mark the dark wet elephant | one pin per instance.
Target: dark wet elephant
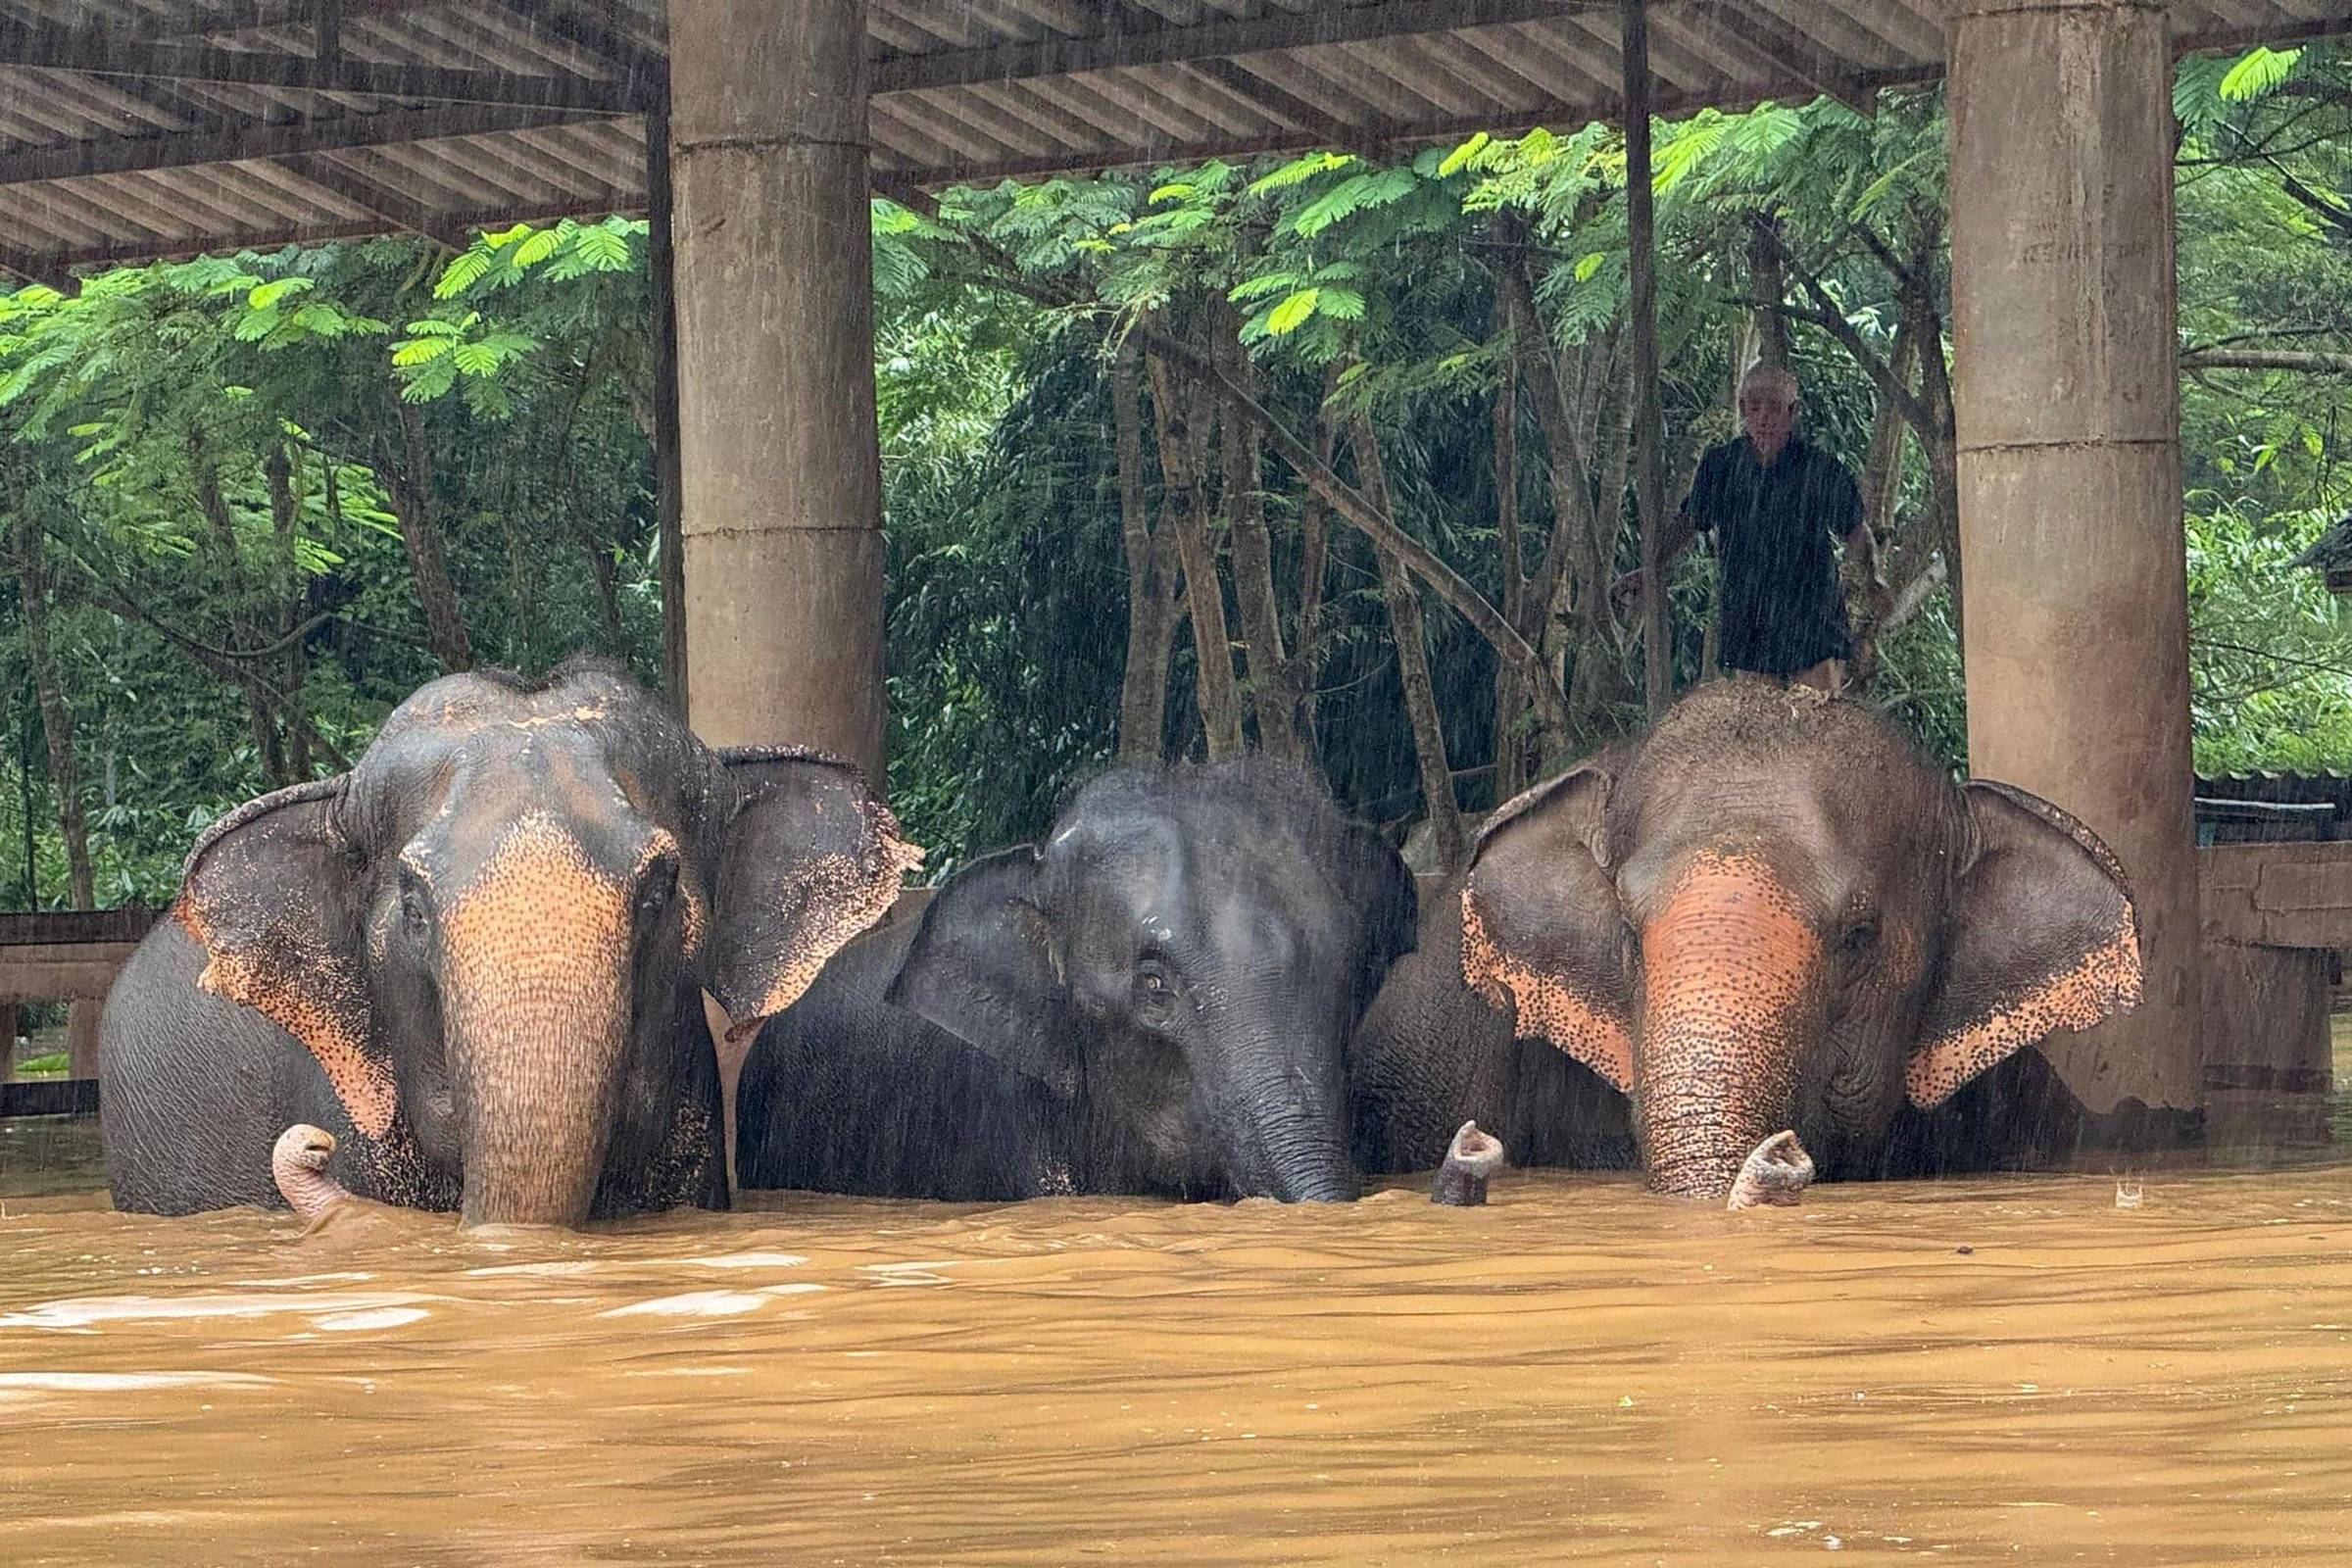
(478, 959)
(1157, 999)
(1769, 913)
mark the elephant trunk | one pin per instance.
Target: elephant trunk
(535, 993)
(1290, 1123)
(1730, 989)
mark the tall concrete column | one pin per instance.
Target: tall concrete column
(782, 486)
(2068, 412)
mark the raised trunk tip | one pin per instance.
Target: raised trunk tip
(298, 1164)
(1775, 1172)
(1470, 1159)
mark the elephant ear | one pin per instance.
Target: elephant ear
(1540, 921)
(808, 858)
(982, 966)
(2041, 938)
(272, 892)
(1376, 879)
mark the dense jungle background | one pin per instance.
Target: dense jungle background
(1325, 455)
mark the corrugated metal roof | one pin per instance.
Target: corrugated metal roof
(134, 128)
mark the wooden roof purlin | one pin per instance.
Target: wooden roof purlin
(131, 129)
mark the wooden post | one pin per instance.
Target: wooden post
(662, 260)
(2067, 411)
(780, 467)
(1657, 656)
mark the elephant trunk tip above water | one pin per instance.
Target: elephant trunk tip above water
(1771, 913)
(480, 957)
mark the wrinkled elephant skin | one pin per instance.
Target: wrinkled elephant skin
(1156, 998)
(478, 959)
(1770, 913)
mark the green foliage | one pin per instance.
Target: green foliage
(216, 455)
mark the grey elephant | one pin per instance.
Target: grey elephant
(478, 959)
(1771, 913)
(1157, 998)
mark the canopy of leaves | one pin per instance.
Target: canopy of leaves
(232, 468)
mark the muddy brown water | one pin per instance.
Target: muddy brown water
(2007, 1370)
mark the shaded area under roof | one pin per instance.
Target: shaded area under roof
(131, 129)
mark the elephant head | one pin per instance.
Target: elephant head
(1772, 912)
(1184, 958)
(494, 931)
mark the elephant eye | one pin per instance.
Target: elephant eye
(412, 912)
(1858, 938)
(1154, 986)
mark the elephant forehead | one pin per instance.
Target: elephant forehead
(538, 892)
(484, 797)
(570, 763)
(1732, 915)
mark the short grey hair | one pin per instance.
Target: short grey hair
(1764, 374)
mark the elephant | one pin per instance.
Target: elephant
(1771, 913)
(1157, 999)
(478, 958)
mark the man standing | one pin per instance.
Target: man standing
(1774, 503)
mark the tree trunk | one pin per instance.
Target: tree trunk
(1152, 592)
(1306, 673)
(669, 485)
(215, 509)
(607, 598)
(1374, 523)
(57, 719)
(1412, 663)
(285, 515)
(1567, 602)
(1510, 692)
(411, 490)
(1658, 643)
(1271, 699)
(1765, 282)
(1180, 474)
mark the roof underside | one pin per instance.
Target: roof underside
(136, 129)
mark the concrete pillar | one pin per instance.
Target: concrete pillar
(782, 484)
(2068, 414)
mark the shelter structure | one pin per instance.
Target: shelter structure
(755, 130)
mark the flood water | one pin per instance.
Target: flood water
(2005, 1369)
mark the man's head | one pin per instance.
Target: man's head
(1768, 408)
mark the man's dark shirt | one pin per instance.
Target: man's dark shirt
(1783, 609)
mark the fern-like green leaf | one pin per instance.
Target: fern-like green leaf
(1339, 304)
(1287, 316)
(1300, 170)
(465, 271)
(2258, 73)
(422, 351)
(538, 248)
(1461, 156)
(264, 295)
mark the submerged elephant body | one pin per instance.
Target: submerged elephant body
(1158, 998)
(1768, 913)
(477, 960)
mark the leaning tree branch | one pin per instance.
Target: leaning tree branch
(2316, 363)
(1450, 585)
(1826, 316)
(218, 663)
